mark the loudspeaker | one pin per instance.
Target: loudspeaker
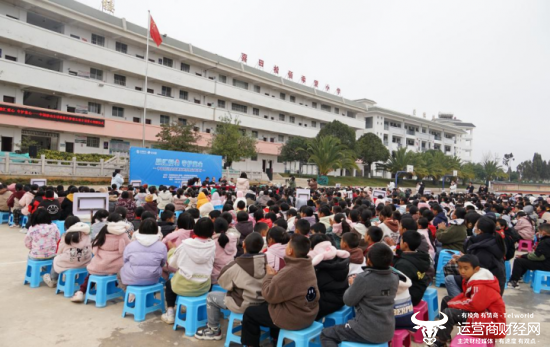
(33, 151)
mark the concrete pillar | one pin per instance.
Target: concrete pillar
(42, 164)
(7, 163)
(101, 163)
(74, 166)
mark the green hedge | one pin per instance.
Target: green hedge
(57, 155)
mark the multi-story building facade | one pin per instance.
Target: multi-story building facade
(72, 79)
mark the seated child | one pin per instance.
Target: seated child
(403, 307)
(413, 264)
(350, 243)
(539, 259)
(276, 238)
(186, 223)
(453, 236)
(108, 249)
(137, 219)
(226, 247)
(242, 279)
(166, 224)
(42, 236)
(74, 250)
(373, 236)
(423, 230)
(291, 219)
(291, 295)
(194, 259)
(261, 228)
(245, 227)
(372, 293)
(332, 268)
(143, 258)
(302, 227)
(480, 294)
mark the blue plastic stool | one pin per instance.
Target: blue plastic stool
(302, 337)
(195, 315)
(528, 276)
(23, 220)
(231, 330)
(541, 280)
(69, 279)
(444, 256)
(430, 296)
(4, 217)
(178, 214)
(508, 268)
(145, 301)
(105, 289)
(10, 220)
(34, 272)
(160, 213)
(217, 288)
(339, 317)
(60, 225)
(357, 344)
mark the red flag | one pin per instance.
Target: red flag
(303, 79)
(261, 63)
(276, 69)
(316, 83)
(155, 34)
(290, 75)
(244, 57)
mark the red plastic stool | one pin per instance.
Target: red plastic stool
(528, 245)
(422, 307)
(401, 338)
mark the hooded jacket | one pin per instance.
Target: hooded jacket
(390, 227)
(373, 296)
(224, 255)
(52, 206)
(490, 255)
(242, 184)
(481, 294)
(15, 197)
(108, 259)
(403, 307)
(66, 207)
(74, 255)
(240, 197)
(201, 200)
(415, 265)
(242, 278)
(292, 294)
(453, 235)
(166, 228)
(356, 261)
(42, 240)
(143, 261)
(331, 268)
(245, 228)
(163, 199)
(151, 206)
(276, 256)
(194, 259)
(440, 218)
(179, 203)
(311, 220)
(524, 228)
(130, 205)
(5, 195)
(25, 201)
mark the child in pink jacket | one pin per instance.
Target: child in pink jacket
(277, 239)
(185, 223)
(108, 248)
(226, 247)
(42, 236)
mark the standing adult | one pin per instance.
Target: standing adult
(117, 179)
(453, 187)
(292, 183)
(313, 184)
(470, 188)
(242, 183)
(421, 188)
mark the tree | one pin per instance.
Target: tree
(341, 131)
(329, 154)
(231, 142)
(26, 142)
(492, 170)
(398, 161)
(178, 137)
(370, 149)
(537, 167)
(292, 151)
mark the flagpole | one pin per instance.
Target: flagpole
(146, 74)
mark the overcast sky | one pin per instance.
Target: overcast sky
(488, 62)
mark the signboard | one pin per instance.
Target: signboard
(337, 185)
(322, 180)
(379, 194)
(84, 203)
(53, 116)
(41, 182)
(410, 168)
(427, 192)
(135, 183)
(350, 194)
(303, 194)
(156, 167)
(455, 173)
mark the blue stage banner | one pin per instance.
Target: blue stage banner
(156, 167)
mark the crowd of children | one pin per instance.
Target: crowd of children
(286, 264)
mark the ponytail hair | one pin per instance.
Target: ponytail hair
(278, 234)
(72, 237)
(99, 216)
(341, 218)
(102, 235)
(220, 227)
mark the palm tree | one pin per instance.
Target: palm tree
(493, 170)
(329, 154)
(398, 161)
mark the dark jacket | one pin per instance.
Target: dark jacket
(490, 254)
(332, 281)
(52, 206)
(66, 207)
(415, 265)
(452, 236)
(245, 228)
(151, 207)
(17, 195)
(440, 218)
(541, 252)
(166, 228)
(130, 206)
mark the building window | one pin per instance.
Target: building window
(118, 111)
(167, 62)
(120, 80)
(75, 37)
(9, 99)
(164, 119)
(222, 78)
(239, 108)
(313, 124)
(282, 96)
(137, 120)
(368, 123)
(98, 40)
(184, 95)
(122, 47)
(185, 67)
(326, 108)
(150, 91)
(292, 119)
(96, 74)
(240, 84)
(281, 138)
(257, 89)
(410, 142)
(282, 117)
(254, 158)
(139, 89)
(92, 142)
(336, 110)
(9, 57)
(322, 125)
(182, 121)
(292, 98)
(254, 134)
(221, 103)
(94, 107)
(256, 111)
(166, 91)
(148, 121)
(314, 104)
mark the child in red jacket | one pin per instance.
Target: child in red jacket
(479, 303)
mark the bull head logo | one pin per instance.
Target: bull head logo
(429, 329)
